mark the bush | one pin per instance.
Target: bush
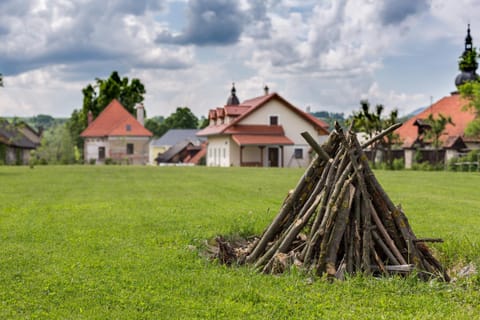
(398, 164)
(427, 166)
(468, 162)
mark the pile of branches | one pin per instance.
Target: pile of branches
(338, 220)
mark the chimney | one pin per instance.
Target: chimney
(140, 113)
(89, 117)
(265, 89)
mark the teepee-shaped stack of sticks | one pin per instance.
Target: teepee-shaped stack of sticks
(339, 220)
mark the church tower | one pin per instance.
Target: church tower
(233, 99)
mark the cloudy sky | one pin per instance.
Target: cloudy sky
(319, 53)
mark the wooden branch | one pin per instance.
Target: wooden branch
(381, 135)
(388, 240)
(366, 237)
(315, 146)
(272, 229)
(384, 247)
(338, 230)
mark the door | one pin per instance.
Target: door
(101, 153)
(273, 157)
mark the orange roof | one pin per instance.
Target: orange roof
(255, 129)
(247, 139)
(452, 106)
(235, 110)
(249, 106)
(115, 120)
(199, 155)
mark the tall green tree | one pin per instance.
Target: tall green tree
(468, 60)
(369, 122)
(182, 118)
(437, 126)
(98, 95)
(57, 146)
(156, 125)
(372, 122)
(471, 91)
(392, 138)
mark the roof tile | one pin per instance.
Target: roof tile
(115, 120)
(452, 106)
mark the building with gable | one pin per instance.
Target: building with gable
(117, 135)
(453, 140)
(17, 141)
(175, 146)
(264, 131)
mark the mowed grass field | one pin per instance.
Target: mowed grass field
(122, 242)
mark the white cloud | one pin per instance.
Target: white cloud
(325, 54)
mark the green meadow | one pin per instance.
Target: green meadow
(125, 242)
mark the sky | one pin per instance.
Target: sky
(317, 54)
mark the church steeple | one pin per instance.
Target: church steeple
(233, 100)
(468, 40)
(467, 62)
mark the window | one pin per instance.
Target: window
(128, 127)
(298, 153)
(129, 148)
(273, 120)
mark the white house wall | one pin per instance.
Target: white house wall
(91, 148)
(293, 125)
(218, 154)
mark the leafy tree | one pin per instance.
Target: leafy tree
(97, 96)
(75, 125)
(1, 80)
(471, 91)
(392, 138)
(43, 120)
(182, 118)
(330, 117)
(369, 122)
(57, 146)
(203, 122)
(156, 125)
(437, 126)
(468, 60)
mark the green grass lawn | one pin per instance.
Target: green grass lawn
(115, 242)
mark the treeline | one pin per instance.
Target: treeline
(330, 117)
(39, 122)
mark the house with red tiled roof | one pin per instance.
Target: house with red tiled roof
(453, 139)
(117, 135)
(264, 131)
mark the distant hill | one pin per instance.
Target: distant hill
(42, 121)
(330, 117)
(415, 112)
